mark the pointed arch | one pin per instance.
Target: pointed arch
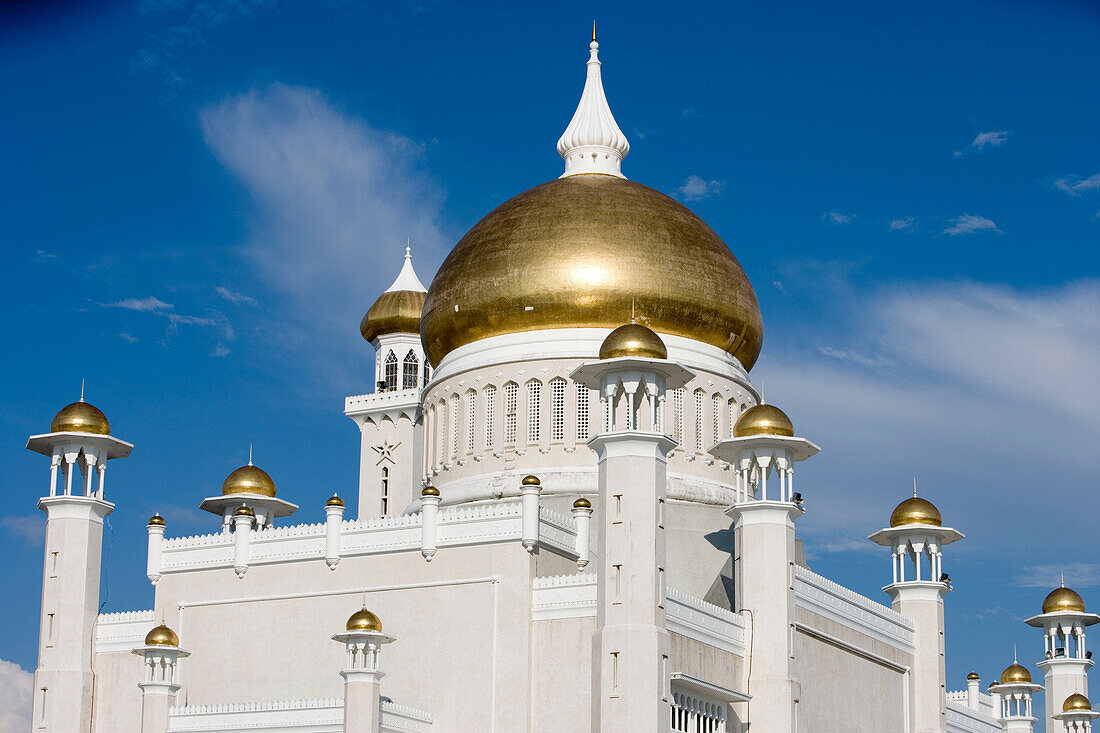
(390, 371)
(410, 370)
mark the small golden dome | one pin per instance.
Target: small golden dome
(1015, 672)
(364, 620)
(1063, 599)
(162, 636)
(1075, 703)
(249, 479)
(582, 503)
(334, 501)
(633, 339)
(915, 510)
(531, 481)
(158, 520)
(575, 253)
(973, 676)
(244, 511)
(763, 420)
(429, 491)
(393, 312)
(80, 417)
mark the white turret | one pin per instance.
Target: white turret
(1014, 689)
(161, 653)
(362, 673)
(1065, 662)
(593, 142)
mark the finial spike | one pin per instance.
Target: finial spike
(82, 389)
(914, 487)
(1014, 660)
(593, 29)
(593, 141)
(250, 454)
(761, 390)
(1063, 574)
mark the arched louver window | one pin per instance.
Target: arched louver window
(409, 374)
(511, 397)
(557, 410)
(582, 412)
(391, 371)
(699, 395)
(678, 415)
(471, 420)
(490, 416)
(534, 421)
(455, 407)
(715, 418)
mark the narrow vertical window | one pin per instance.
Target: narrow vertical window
(715, 418)
(409, 373)
(455, 408)
(385, 490)
(432, 433)
(732, 417)
(471, 420)
(678, 414)
(698, 420)
(534, 421)
(427, 372)
(582, 413)
(511, 397)
(557, 410)
(444, 431)
(490, 416)
(391, 371)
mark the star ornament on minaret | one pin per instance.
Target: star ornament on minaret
(385, 451)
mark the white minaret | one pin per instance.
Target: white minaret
(916, 537)
(160, 653)
(1015, 690)
(390, 418)
(362, 675)
(593, 142)
(1065, 661)
(630, 686)
(763, 447)
(1076, 716)
(79, 445)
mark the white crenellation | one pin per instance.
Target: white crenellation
(833, 601)
(122, 631)
(963, 719)
(318, 716)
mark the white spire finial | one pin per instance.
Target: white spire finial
(81, 390)
(593, 142)
(250, 454)
(914, 487)
(407, 279)
(1063, 574)
(1014, 660)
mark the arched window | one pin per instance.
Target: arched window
(534, 421)
(412, 366)
(431, 434)
(734, 414)
(490, 416)
(455, 407)
(471, 420)
(699, 395)
(511, 397)
(427, 373)
(391, 371)
(678, 414)
(715, 418)
(582, 412)
(557, 409)
(444, 432)
(385, 490)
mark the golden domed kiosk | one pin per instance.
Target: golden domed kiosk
(764, 445)
(1015, 690)
(248, 487)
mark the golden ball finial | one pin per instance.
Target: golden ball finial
(531, 481)
(80, 417)
(1015, 672)
(915, 510)
(582, 503)
(633, 339)
(429, 491)
(763, 420)
(973, 676)
(1075, 703)
(249, 479)
(1063, 599)
(244, 511)
(364, 620)
(157, 520)
(162, 636)
(334, 500)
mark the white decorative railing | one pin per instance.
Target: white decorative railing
(499, 521)
(563, 596)
(122, 631)
(315, 716)
(833, 601)
(963, 719)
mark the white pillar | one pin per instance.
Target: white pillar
(334, 516)
(973, 692)
(429, 519)
(242, 529)
(156, 529)
(530, 488)
(582, 517)
(160, 687)
(922, 602)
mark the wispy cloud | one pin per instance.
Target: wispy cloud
(28, 529)
(992, 139)
(695, 188)
(41, 255)
(1077, 575)
(220, 350)
(1074, 185)
(905, 223)
(152, 304)
(128, 338)
(16, 684)
(355, 193)
(690, 113)
(838, 219)
(158, 307)
(235, 297)
(968, 224)
(853, 356)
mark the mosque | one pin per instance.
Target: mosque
(574, 513)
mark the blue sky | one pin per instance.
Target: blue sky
(200, 200)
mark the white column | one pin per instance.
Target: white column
(530, 489)
(334, 516)
(242, 529)
(582, 517)
(156, 541)
(429, 518)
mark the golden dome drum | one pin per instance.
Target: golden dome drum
(577, 252)
(1076, 703)
(364, 620)
(162, 636)
(1063, 599)
(763, 420)
(633, 339)
(80, 417)
(1015, 673)
(249, 479)
(393, 312)
(915, 510)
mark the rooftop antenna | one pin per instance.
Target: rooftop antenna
(250, 454)
(82, 389)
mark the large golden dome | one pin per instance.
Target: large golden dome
(1063, 599)
(915, 510)
(249, 479)
(1015, 672)
(763, 419)
(577, 252)
(80, 417)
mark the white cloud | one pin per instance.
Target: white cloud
(16, 684)
(968, 224)
(220, 350)
(158, 307)
(695, 188)
(41, 255)
(992, 139)
(1074, 185)
(838, 219)
(128, 338)
(235, 297)
(1076, 574)
(29, 529)
(853, 356)
(335, 201)
(148, 305)
(904, 223)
